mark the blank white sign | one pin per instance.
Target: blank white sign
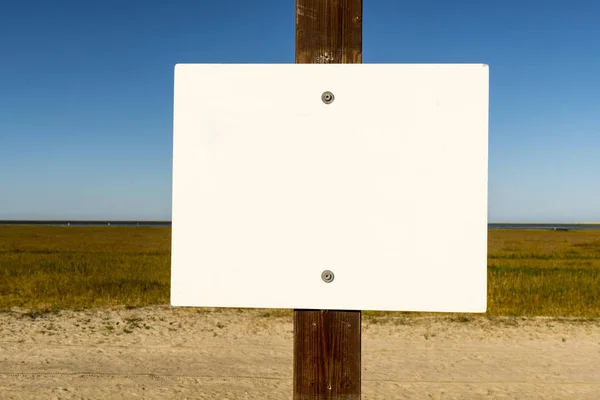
(386, 186)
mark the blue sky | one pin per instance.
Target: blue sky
(86, 94)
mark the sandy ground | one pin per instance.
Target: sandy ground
(165, 353)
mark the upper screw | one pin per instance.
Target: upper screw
(327, 276)
(327, 97)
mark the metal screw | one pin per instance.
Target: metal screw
(327, 276)
(327, 97)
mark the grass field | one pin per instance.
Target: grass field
(530, 272)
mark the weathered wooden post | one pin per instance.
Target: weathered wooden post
(327, 343)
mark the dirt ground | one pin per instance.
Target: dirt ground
(165, 353)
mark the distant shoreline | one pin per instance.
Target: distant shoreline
(86, 222)
(545, 225)
(166, 223)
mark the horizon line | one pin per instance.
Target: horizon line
(170, 220)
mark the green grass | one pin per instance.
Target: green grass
(45, 268)
(554, 273)
(530, 272)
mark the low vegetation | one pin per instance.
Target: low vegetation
(530, 272)
(535, 272)
(47, 267)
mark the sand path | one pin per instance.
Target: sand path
(164, 353)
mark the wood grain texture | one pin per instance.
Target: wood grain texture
(327, 355)
(329, 31)
(327, 343)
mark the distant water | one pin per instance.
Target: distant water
(85, 223)
(558, 227)
(548, 226)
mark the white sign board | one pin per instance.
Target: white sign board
(384, 184)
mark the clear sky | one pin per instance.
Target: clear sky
(86, 94)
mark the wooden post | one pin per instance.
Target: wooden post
(327, 355)
(327, 343)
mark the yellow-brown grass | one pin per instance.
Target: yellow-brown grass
(49, 267)
(542, 272)
(530, 272)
